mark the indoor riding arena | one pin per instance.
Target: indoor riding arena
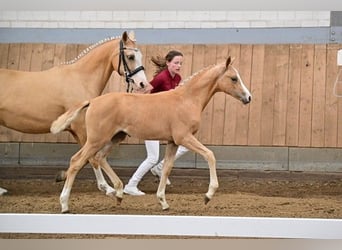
(279, 156)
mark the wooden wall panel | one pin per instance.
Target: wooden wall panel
(305, 112)
(293, 96)
(256, 82)
(291, 84)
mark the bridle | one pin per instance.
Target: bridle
(128, 73)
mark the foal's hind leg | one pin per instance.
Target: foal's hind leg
(102, 184)
(78, 132)
(77, 162)
(169, 159)
(101, 157)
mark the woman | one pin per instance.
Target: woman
(167, 77)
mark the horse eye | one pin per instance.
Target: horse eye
(131, 57)
(234, 79)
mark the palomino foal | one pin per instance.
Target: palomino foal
(109, 118)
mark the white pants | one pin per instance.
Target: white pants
(152, 149)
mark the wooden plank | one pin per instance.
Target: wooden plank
(305, 112)
(219, 102)
(318, 97)
(333, 104)
(292, 118)
(4, 53)
(25, 56)
(59, 57)
(204, 55)
(267, 114)
(230, 124)
(242, 114)
(280, 95)
(37, 57)
(48, 56)
(71, 52)
(13, 56)
(331, 76)
(257, 78)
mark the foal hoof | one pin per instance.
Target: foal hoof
(61, 176)
(118, 200)
(206, 200)
(66, 212)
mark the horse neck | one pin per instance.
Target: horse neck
(202, 87)
(96, 67)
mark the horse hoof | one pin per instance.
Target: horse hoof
(66, 212)
(206, 200)
(165, 207)
(118, 200)
(60, 176)
(111, 194)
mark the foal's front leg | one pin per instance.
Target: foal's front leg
(193, 144)
(170, 153)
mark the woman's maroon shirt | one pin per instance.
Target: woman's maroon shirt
(164, 81)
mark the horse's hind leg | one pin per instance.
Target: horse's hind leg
(78, 132)
(102, 184)
(169, 158)
(118, 185)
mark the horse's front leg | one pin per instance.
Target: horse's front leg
(193, 144)
(170, 153)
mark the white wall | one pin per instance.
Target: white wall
(141, 19)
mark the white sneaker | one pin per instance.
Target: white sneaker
(133, 191)
(157, 172)
(2, 191)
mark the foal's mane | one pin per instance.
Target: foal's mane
(90, 48)
(197, 74)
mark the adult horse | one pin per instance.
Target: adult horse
(109, 119)
(31, 101)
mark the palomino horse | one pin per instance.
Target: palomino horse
(31, 101)
(111, 117)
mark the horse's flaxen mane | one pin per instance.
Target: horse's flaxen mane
(90, 48)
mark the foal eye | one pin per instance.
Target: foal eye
(234, 79)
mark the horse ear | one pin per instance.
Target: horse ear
(131, 36)
(124, 36)
(230, 61)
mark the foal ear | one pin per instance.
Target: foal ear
(229, 61)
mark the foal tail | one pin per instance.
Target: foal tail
(64, 120)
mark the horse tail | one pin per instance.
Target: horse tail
(64, 120)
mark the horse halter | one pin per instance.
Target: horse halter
(127, 71)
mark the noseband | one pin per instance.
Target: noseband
(127, 71)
